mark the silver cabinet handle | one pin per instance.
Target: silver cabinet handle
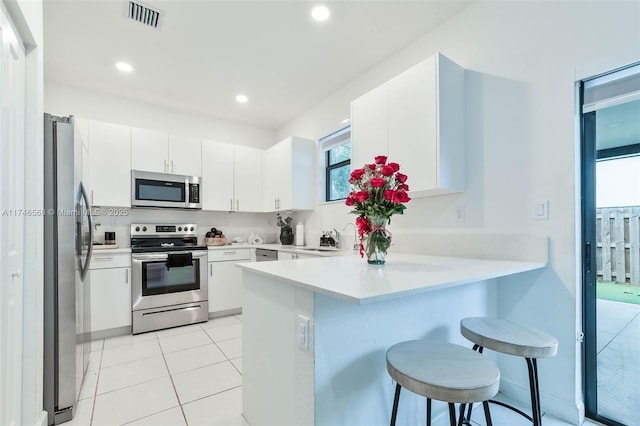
(164, 166)
(92, 196)
(231, 204)
(16, 274)
(102, 259)
(172, 166)
(126, 276)
(210, 270)
(229, 252)
(237, 205)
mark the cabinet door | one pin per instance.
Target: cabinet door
(413, 124)
(110, 298)
(217, 176)
(247, 179)
(185, 155)
(277, 176)
(149, 150)
(225, 286)
(369, 121)
(110, 164)
(300, 184)
(81, 126)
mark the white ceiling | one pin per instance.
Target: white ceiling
(207, 52)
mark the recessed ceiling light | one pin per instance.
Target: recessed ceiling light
(243, 99)
(320, 13)
(124, 67)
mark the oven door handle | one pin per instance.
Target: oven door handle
(164, 255)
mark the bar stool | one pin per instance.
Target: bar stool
(445, 372)
(514, 339)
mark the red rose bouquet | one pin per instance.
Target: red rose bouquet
(378, 191)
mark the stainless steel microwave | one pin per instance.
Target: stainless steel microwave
(165, 190)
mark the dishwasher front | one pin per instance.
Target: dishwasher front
(265, 255)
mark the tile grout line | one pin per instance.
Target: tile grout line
(157, 339)
(174, 386)
(95, 391)
(619, 332)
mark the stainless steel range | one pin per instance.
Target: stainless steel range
(169, 276)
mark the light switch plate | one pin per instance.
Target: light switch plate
(541, 210)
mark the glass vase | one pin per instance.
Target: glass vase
(377, 241)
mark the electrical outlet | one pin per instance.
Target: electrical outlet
(460, 213)
(302, 332)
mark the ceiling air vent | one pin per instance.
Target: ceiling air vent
(143, 14)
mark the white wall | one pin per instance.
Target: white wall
(522, 60)
(60, 99)
(27, 17)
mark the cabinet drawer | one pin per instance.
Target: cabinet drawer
(110, 260)
(222, 255)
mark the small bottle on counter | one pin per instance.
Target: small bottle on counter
(299, 234)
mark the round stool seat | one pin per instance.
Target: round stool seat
(509, 337)
(443, 371)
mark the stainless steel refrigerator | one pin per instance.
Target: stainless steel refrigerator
(68, 237)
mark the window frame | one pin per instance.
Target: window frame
(328, 143)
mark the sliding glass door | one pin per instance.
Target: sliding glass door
(610, 157)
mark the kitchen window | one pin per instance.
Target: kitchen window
(337, 148)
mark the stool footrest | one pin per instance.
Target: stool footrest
(512, 408)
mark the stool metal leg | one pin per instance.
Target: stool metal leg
(532, 366)
(452, 414)
(467, 419)
(461, 418)
(428, 411)
(396, 399)
(487, 413)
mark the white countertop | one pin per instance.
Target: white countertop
(352, 279)
(312, 250)
(106, 250)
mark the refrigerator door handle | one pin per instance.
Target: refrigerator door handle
(85, 268)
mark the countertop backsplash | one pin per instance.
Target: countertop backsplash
(231, 223)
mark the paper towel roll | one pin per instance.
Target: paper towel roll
(300, 234)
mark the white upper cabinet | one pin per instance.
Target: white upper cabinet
(423, 120)
(110, 164)
(288, 170)
(247, 178)
(217, 176)
(369, 122)
(149, 150)
(155, 151)
(184, 155)
(231, 177)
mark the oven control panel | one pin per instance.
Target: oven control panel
(163, 230)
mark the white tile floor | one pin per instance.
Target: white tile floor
(189, 375)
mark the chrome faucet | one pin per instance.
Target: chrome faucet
(355, 234)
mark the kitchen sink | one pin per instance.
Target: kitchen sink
(318, 249)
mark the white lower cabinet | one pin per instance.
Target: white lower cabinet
(287, 255)
(225, 278)
(110, 281)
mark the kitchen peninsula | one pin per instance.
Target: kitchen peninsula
(316, 331)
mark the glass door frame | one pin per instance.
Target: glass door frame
(588, 158)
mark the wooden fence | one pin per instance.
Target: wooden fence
(618, 244)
